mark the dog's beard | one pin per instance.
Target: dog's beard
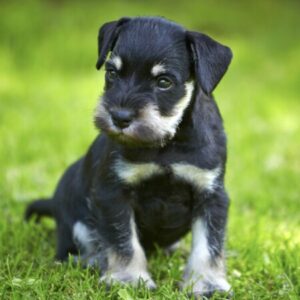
(141, 131)
(150, 128)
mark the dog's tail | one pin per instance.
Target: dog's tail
(40, 208)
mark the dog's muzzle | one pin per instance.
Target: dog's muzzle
(141, 125)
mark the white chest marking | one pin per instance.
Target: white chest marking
(133, 173)
(200, 178)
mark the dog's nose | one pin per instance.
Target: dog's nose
(122, 117)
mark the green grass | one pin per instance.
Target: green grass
(48, 89)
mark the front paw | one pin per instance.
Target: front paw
(124, 277)
(204, 288)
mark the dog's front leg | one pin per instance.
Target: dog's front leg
(205, 270)
(125, 260)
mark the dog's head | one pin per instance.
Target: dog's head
(153, 69)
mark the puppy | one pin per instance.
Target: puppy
(157, 169)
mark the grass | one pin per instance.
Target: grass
(48, 89)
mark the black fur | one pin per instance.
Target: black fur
(164, 205)
(211, 60)
(44, 207)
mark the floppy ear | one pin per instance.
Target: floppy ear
(106, 38)
(211, 60)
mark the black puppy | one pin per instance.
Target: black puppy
(157, 169)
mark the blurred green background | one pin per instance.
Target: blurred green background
(48, 90)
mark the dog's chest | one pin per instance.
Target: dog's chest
(163, 209)
(134, 174)
(163, 196)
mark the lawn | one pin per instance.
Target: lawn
(48, 90)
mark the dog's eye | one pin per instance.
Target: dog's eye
(164, 83)
(111, 74)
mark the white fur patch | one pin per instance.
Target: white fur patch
(201, 273)
(200, 178)
(133, 173)
(161, 127)
(138, 262)
(83, 235)
(158, 69)
(133, 270)
(200, 252)
(117, 61)
(167, 125)
(101, 112)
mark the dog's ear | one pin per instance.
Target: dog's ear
(211, 60)
(106, 38)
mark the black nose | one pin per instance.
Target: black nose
(122, 117)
